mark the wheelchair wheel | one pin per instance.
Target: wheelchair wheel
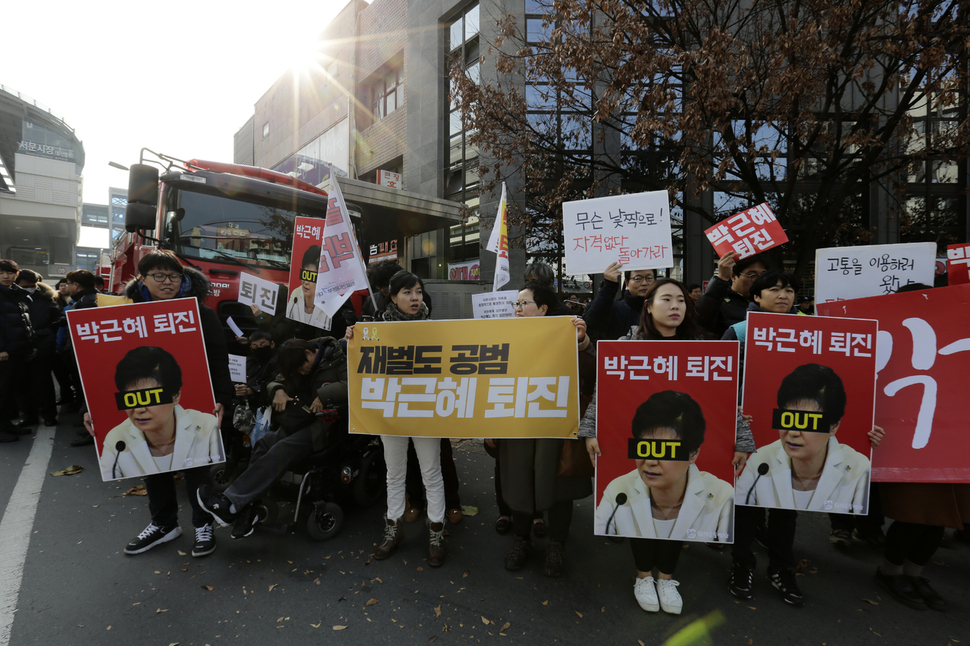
(324, 521)
(371, 482)
(267, 510)
(222, 476)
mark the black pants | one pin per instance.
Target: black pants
(271, 458)
(36, 386)
(780, 536)
(649, 553)
(912, 542)
(415, 487)
(868, 524)
(163, 504)
(560, 518)
(62, 373)
(9, 373)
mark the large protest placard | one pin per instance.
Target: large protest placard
(341, 269)
(254, 290)
(307, 238)
(494, 305)
(512, 378)
(747, 233)
(809, 384)
(844, 273)
(922, 383)
(958, 263)
(146, 385)
(666, 414)
(633, 230)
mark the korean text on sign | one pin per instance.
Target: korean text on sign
(958, 264)
(747, 233)
(117, 329)
(782, 339)
(845, 273)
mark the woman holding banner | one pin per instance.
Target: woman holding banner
(545, 474)
(668, 313)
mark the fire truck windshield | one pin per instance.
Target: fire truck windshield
(211, 227)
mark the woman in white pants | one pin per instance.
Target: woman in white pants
(406, 303)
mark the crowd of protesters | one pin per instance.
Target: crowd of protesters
(535, 480)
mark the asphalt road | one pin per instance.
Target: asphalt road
(78, 587)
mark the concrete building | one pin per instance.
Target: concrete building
(41, 159)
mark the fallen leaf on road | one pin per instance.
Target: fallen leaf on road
(578, 613)
(137, 490)
(161, 610)
(316, 625)
(371, 602)
(272, 586)
(545, 603)
(208, 587)
(465, 574)
(420, 569)
(485, 621)
(433, 639)
(71, 470)
(339, 627)
(505, 627)
(437, 612)
(468, 510)
(869, 601)
(640, 641)
(181, 553)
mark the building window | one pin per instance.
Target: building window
(265, 130)
(388, 92)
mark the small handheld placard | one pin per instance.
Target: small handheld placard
(639, 449)
(801, 420)
(143, 398)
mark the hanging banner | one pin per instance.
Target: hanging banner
(501, 379)
(253, 290)
(809, 384)
(666, 413)
(633, 230)
(844, 273)
(922, 383)
(146, 385)
(747, 233)
(498, 243)
(341, 268)
(957, 264)
(304, 261)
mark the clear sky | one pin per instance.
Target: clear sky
(179, 78)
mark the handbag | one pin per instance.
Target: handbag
(243, 419)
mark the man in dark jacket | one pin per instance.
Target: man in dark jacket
(314, 369)
(610, 319)
(725, 302)
(16, 345)
(37, 385)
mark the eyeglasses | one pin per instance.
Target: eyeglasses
(752, 275)
(521, 304)
(640, 279)
(166, 278)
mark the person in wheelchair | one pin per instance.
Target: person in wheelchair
(313, 379)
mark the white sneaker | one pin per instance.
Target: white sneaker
(670, 599)
(646, 594)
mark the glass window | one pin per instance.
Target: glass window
(455, 33)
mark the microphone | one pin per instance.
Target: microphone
(762, 470)
(620, 500)
(119, 447)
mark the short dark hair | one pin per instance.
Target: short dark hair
(540, 272)
(148, 362)
(58, 284)
(693, 286)
(676, 411)
(82, 277)
(311, 257)
(9, 265)
(379, 274)
(28, 276)
(744, 263)
(403, 280)
(626, 274)
(260, 335)
(163, 259)
(292, 356)
(816, 383)
(98, 280)
(542, 294)
(770, 279)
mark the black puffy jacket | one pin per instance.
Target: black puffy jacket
(16, 333)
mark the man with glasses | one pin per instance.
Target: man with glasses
(725, 302)
(608, 318)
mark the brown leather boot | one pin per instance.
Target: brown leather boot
(436, 544)
(393, 535)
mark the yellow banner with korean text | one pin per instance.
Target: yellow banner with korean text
(505, 378)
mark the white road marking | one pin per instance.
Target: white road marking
(17, 524)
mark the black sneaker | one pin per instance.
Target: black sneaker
(784, 582)
(901, 588)
(521, 548)
(205, 541)
(932, 598)
(841, 539)
(150, 537)
(217, 505)
(246, 521)
(741, 583)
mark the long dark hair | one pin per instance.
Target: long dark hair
(688, 330)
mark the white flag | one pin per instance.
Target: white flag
(341, 268)
(498, 243)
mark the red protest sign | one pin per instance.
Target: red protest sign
(958, 263)
(809, 384)
(748, 232)
(922, 382)
(304, 261)
(684, 384)
(160, 416)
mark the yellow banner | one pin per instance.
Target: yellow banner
(509, 378)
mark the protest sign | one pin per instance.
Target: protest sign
(508, 378)
(844, 273)
(633, 230)
(307, 238)
(809, 384)
(922, 383)
(146, 384)
(748, 232)
(675, 401)
(957, 264)
(254, 290)
(494, 305)
(341, 269)
(237, 368)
